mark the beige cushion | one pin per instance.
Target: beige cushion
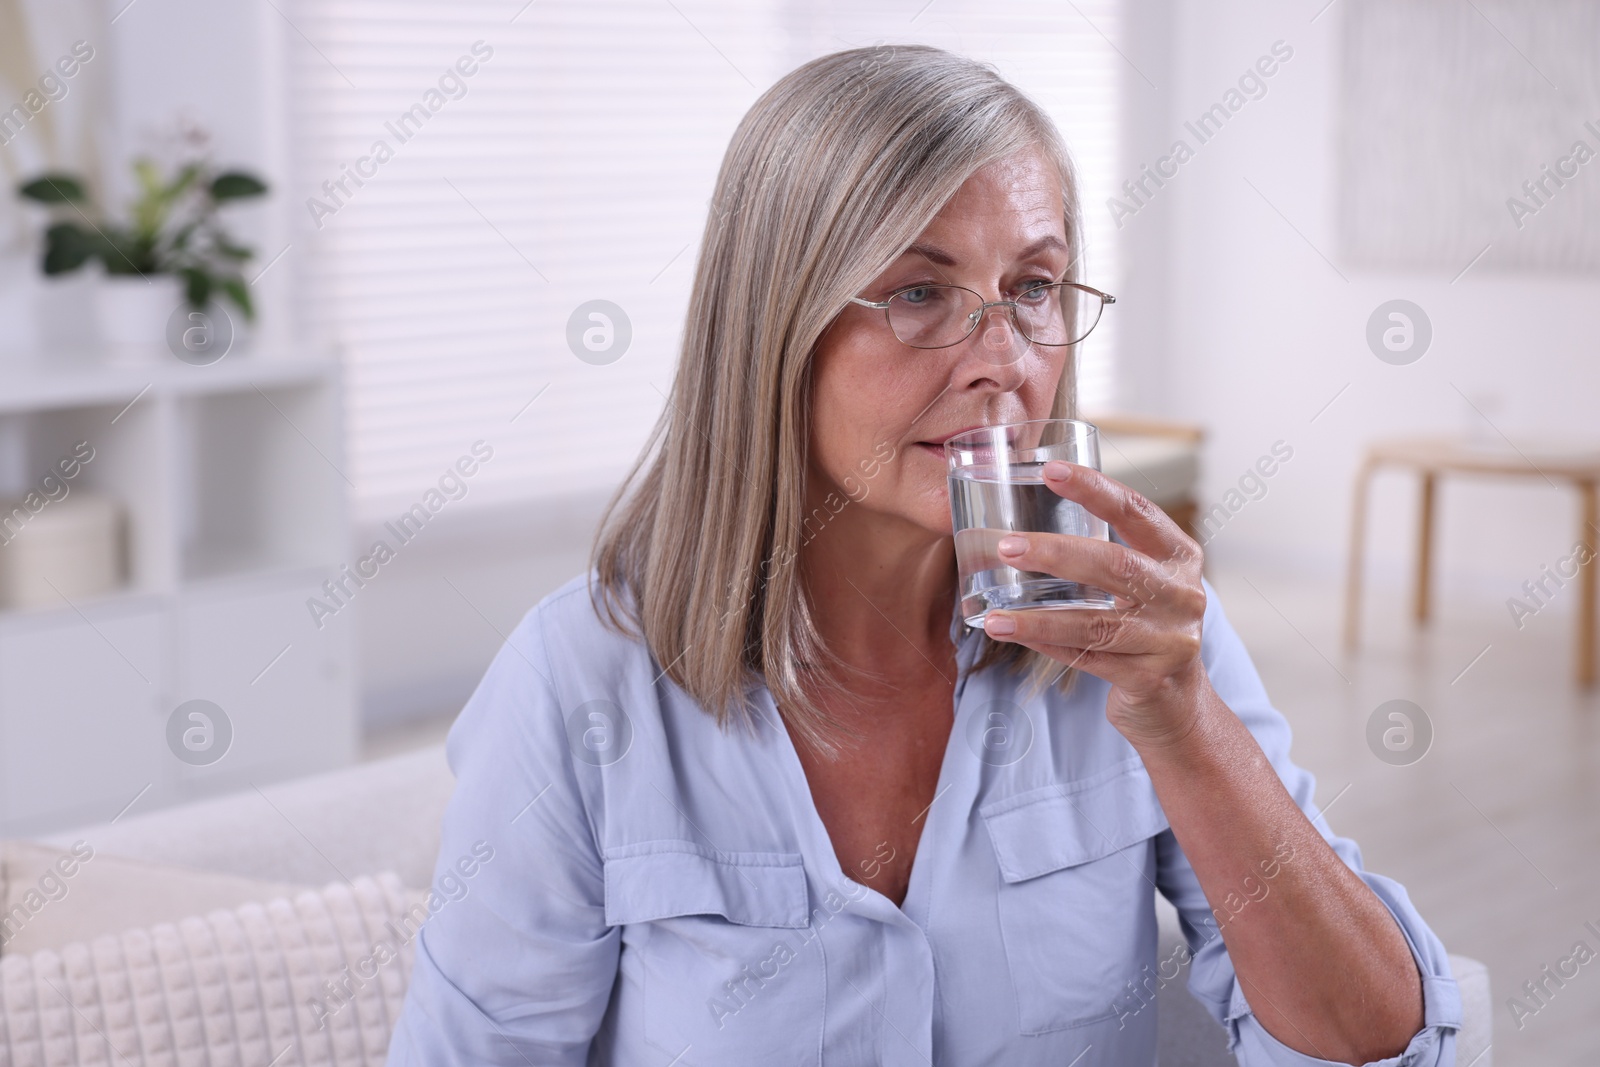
(317, 979)
(1164, 469)
(53, 896)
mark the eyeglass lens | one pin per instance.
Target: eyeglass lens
(935, 316)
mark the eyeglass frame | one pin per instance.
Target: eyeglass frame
(977, 316)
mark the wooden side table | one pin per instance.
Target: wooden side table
(1434, 457)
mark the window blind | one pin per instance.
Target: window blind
(467, 175)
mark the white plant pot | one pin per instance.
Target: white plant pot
(17, 282)
(45, 320)
(134, 312)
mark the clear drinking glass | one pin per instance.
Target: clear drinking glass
(997, 487)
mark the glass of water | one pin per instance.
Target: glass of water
(997, 487)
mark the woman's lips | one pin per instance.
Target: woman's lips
(938, 449)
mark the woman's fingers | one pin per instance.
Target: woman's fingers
(1138, 521)
(1118, 569)
(1098, 629)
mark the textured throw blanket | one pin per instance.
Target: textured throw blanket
(314, 980)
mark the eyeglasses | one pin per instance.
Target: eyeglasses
(938, 315)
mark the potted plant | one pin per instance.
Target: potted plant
(171, 241)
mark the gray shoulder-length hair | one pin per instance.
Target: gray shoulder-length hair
(833, 172)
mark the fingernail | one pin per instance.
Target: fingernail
(1012, 545)
(1059, 469)
(999, 625)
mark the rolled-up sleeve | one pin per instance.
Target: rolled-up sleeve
(1212, 979)
(516, 964)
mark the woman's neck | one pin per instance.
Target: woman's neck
(882, 591)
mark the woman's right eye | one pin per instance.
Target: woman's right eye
(918, 295)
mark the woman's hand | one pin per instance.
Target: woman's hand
(1148, 645)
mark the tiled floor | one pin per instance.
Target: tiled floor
(1493, 832)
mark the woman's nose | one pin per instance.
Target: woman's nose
(997, 334)
(998, 338)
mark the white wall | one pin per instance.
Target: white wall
(221, 65)
(1244, 327)
(433, 618)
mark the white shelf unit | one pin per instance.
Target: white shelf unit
(231, 480)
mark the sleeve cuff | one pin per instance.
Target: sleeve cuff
(1432, 1046)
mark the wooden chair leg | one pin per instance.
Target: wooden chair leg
(1424, 551)
(1588, 534)
(1356, 564)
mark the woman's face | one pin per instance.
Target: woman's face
(881, 409)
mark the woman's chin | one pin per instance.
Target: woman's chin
(936, 518)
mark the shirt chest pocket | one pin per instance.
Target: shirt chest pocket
(725, 953)
(1077, 895)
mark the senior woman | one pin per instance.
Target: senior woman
(753, 791)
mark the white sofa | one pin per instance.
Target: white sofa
(163, 945)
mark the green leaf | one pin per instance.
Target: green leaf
(54, 189)
(196, 287)
(180, 240)
(236, 288)
(236, 185)
(182, 182)
(66, 248)
(149, 177)
(157, 197)
(232, 251)
(125, 252)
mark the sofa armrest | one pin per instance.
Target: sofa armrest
(1477, 1012)
(383, 815)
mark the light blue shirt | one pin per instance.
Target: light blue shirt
(661, 892)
